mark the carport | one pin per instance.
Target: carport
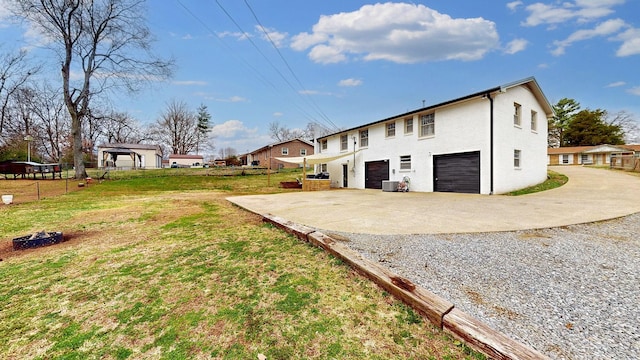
(315, 159)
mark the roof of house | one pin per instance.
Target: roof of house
(130, 146)
(182, 156)
(529, 82)
(282, 142)
(604, 148)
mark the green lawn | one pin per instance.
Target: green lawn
(161, 266)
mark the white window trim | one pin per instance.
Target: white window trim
(405, 126)
(284, 151)
(405, 163)
(517, 115)
(517, 155)
(534, 121)
(303, 152)
(428, 136)
(360, 137)
(346, 143)
(386, 129)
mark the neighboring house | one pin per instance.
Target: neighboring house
(492, 141)
(588, 155)
(177, 160)
(129, 156)
(289, 148)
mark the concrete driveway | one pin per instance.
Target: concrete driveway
(589, 195)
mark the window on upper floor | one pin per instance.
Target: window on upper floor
(534, 121)
(323, 144)
(390, 129)
(427, 125)
(517, 110)
(303, 152)
(284, 151)
(408, 126)
(344, 143)
(364, 138)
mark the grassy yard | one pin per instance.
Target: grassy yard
(553, 181)
(161, 266)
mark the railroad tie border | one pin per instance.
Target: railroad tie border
(438, 311)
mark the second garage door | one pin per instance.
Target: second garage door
(375, 172)
(458, 172)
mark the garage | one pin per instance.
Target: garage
(458, 172)
(375, 172)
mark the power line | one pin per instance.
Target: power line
(257, 72)
(266, 33)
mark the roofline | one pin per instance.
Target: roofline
(535, 87)
(281, 142)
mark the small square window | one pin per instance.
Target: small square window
(391, 129)
(516, 158)
(405, 162)
(285, 151)
(303, 152)
(408, 126)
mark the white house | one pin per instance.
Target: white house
(490, 142)
(180, 160)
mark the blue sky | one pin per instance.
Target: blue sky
(345, 63)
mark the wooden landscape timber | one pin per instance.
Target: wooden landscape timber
(438, 311)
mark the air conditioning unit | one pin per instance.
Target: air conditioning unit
(389, 185)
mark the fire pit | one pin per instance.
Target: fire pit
(37, 240)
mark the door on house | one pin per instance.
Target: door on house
(345, 175)
(458, 172)
(375, 172)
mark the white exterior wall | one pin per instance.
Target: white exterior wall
(459, 127)
(508, 137)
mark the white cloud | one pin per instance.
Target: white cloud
(277, 114)
(515, 46)
(514, 5)
(230, 129)
(231, 99)
(560, 12)
(350, 82)
(238, 35)
(276, 37)
(397, 32)
(187, 37)
(616, 84)
(630, 42)
(604, 29)
(634, 91)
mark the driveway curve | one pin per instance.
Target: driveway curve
(590, 195)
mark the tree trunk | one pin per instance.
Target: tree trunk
(78, 154)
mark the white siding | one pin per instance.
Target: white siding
(460, 127)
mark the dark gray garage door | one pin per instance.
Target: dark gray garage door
(374, 173)
(457, 172)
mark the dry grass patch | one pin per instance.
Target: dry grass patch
(184, 274)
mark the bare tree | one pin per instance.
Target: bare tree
(120, 127)
(627, 123)
(48, 117)
(15, 71)
(107, 39)
(177, 127)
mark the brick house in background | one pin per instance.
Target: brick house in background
(287, 148)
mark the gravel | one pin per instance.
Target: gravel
(571, 292)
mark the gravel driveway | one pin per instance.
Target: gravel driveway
(571, 292)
